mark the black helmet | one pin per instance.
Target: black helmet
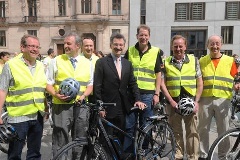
(186, 106)
(7, 133)
(69, 87)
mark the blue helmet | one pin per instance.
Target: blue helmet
(69, 87)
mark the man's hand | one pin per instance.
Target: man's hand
(62, 97)
(140, 105)
(155, 99)
(196, 107)
(102, 114)
(1, 121)
(236, 86)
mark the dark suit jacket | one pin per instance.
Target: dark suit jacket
(110, 89)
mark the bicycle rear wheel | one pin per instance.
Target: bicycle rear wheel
(226, 146)
(160, 144)
(68, 152)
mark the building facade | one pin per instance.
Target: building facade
(194, 19)
(51, 20)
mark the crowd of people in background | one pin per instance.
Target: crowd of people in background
(134, 78)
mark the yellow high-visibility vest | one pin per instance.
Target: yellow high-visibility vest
(66, 70)
(144, 67)
(185, 77)
(26, 96)
(217, 82)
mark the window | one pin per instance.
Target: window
(86, 6)
(190, 11)
(232, 10)
(115, 31)
(32, 32)
(99, 7)
(116, 7)
(227, 52)
(61, 7)
(227, 34)
(32, 8)
(2, 9)
(2, 38)
(143, 12)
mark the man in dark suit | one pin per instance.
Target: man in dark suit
(112, 84)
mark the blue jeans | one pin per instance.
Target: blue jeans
(33, 131)
(132, 118)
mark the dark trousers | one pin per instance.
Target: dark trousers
(32, 130)
(118, 121)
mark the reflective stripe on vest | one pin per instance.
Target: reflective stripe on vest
(144, 67)
(66, 70)
(26, 96)
(185, 77)
(217, 82)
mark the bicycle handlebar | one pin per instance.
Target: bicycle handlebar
(136, 108)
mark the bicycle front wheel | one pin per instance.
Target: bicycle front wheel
(226, 146)
(4, 146)
(159, 142)
(79, 150)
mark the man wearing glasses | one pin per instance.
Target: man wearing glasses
(22, 85)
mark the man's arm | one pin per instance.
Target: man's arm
(5, 79)
(166, 93)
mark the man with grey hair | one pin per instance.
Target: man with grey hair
(218, 71)
(68, 116)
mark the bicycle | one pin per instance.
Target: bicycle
(226, 146)
(4, 116)
(158, 133)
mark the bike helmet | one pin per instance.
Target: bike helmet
(237, 61)
(7, 133)
(69, 87)
(186, 106)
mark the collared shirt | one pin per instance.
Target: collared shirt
(178, 64)
(52, 72)
(115, 60)
(7, 80)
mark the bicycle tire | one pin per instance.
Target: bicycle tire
(66, 151)
(231, 147)
(162, 145)
(4, 146)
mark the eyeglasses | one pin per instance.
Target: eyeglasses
(118, 44)
(33, 46)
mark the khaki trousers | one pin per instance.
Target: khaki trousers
(192, 137)
(210, 107)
